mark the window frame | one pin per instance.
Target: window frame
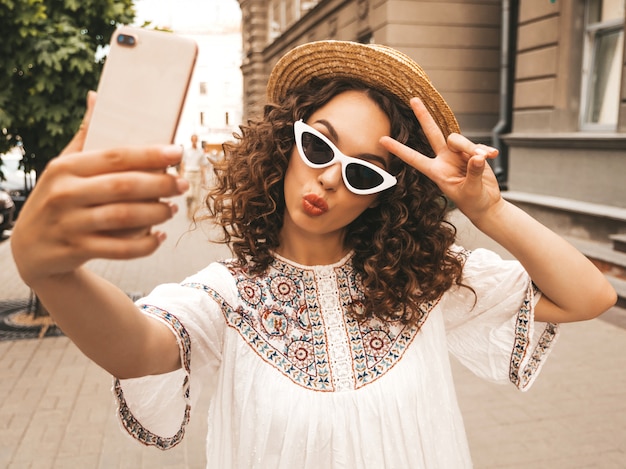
(592, 32)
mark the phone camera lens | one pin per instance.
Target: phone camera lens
(126, 40)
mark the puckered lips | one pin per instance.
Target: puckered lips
(314, 205)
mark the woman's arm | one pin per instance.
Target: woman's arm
(573, 288)
(100, 204)
(107, 326)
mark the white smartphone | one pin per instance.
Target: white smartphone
(142, 89)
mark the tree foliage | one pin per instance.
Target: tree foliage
(48, 62)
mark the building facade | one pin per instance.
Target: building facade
(542, 80)
(212, 108)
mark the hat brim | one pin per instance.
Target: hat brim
(375, 65)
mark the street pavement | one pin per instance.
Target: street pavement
(57, 411)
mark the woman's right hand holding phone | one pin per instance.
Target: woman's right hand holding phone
(98, 204)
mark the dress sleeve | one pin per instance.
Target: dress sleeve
(491, 327)
(156, 409)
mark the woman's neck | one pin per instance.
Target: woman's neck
(312, 250)
(312, 255)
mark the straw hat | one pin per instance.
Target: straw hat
(373, 64)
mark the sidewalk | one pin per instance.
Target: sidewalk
(56, 409)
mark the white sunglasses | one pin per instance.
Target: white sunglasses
(360, 177)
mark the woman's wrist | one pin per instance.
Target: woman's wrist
(490, 221)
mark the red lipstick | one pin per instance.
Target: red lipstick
(314, 205)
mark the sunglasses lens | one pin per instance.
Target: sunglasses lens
(315, 149)
(361, 177)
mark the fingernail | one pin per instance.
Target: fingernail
(160, 236)
(182, 185)
(91, 98)
(172, 152)
(173, 208)
(478, 161)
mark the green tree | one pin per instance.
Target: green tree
(50, 56)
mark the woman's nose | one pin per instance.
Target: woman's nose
(330, 177)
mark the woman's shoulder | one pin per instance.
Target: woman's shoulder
(218, 276)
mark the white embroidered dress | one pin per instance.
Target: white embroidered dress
(296, 383)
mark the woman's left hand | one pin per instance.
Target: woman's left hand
(460, 167)
(573, 289)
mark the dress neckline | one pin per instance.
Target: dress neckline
(344, 260)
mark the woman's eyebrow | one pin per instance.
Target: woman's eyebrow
(330, 128)
(365, 156)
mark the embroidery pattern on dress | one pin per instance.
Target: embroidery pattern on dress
(332, 306)
(296, 320)
(520, 373)
(128, 420)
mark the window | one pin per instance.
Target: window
(284, 13)
(276, 21)
(203, 87)
(604, 46)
